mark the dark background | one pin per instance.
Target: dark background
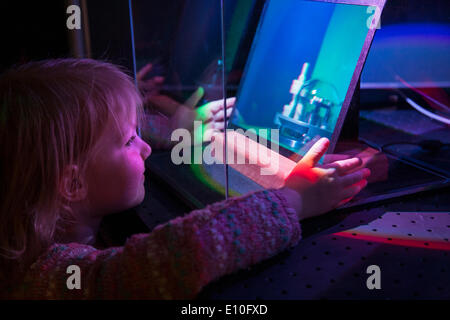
(36, 30)
(33, 30)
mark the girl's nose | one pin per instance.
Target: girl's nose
(146, 150)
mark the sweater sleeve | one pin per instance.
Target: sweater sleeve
(177, 259)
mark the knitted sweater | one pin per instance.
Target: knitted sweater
(176, 260)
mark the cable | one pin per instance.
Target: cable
(427, 113)
(423, 94)
(424, 111)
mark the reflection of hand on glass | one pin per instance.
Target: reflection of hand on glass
(150, 86)
(158, 129)
(150, 90)
(211, 115)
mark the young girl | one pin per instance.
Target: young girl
(70, 155)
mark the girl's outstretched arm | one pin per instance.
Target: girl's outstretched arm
(177, 259)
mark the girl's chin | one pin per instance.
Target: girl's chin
(141, 194)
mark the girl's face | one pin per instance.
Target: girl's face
(115, 177)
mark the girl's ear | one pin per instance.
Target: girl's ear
(72, 187)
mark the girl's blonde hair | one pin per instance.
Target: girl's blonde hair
(51, 114)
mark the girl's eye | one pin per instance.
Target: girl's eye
(130, 141)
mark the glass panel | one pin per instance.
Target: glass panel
(181, 39)
(178, 51)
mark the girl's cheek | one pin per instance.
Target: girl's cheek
(135, 161)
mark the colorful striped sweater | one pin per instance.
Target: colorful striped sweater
(176, 260)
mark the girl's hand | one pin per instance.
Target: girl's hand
(313, 191)
(151, 87)
(182, 115)
(211, 115)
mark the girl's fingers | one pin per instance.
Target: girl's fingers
(209, 132)
(144, 70)
(217, 105)
(221, 114)
(355, 177)
(343, 202)
(213, 127)
(219, 125)
(214, 111)
(192, 101)
(330, 158)
(315, 153)
(152, 84)
(157, 80)
(343, 166)
(353, 190)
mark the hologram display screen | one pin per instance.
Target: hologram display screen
(299, 69)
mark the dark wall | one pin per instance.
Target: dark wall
(32, 30)
(411, 11)
(36, 30)
(109, 26)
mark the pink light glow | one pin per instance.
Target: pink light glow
(398, 241)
